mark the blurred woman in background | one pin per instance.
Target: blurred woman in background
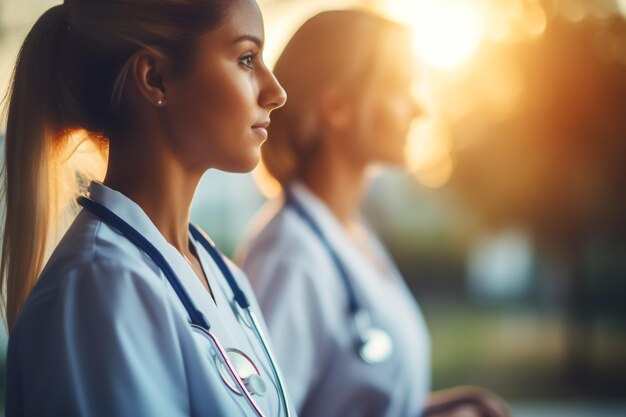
(133, 313)
(350, 337)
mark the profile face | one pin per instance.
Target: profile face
(218, 112)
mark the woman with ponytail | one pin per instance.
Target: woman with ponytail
(122, 307)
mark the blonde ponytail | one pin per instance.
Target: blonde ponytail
(35, 184)
(65, 103)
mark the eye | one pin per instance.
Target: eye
(248, 60)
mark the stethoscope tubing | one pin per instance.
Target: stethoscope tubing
(358, 313)
(218, 258)
(222, 352)
(354, 305)
(244, 304)
(141, 242)
(198, 320)
(277, 375)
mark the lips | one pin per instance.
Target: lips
(261, 129)
(263, 125)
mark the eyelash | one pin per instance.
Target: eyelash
(247, 60)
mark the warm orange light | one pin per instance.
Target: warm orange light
(269, 187)
(437, 175)
(447, 33)
(621, 4)
(534, 20)
(428, 154)
(573, 10)
(283, 18)
(83, 154)
(515, 20)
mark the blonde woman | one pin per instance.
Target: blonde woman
(132, 314)
(350, 337)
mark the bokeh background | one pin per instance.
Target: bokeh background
(510, 222)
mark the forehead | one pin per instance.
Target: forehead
(243, 18)
(396, 59)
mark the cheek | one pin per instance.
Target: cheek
(192, 106)
(211, 116)
(388, 129)
(212, 106)
(392, 118)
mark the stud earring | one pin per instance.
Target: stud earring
(159, 102)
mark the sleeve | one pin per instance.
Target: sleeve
(301, 321)
(106, 345)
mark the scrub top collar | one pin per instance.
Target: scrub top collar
(354, 260)
(321, 214)
(127, 210)
(134, 215)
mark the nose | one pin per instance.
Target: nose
(273, 95)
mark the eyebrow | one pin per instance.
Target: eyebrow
(250, 38)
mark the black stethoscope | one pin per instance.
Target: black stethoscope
(372, 344)
(246, 376)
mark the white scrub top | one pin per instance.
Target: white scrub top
(305, 305)
(104, 334)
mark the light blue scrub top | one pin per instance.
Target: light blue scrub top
(306, 309)
(104, 334)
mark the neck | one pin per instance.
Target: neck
(339, 182)
(158, 183)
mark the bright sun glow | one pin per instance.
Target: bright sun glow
(447, 33)
(428, 154)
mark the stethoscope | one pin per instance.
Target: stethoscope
(246, 375)
(372, 344)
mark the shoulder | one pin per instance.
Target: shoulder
(281, 240)
(92, 248)
(283, 254)
(102, 328)
(112, 289)
(93, 268)
(89, 240)
(289, 268)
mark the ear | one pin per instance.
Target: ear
(149, 70)
(335, 109)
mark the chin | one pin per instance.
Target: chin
(250, 165)
(244, 165)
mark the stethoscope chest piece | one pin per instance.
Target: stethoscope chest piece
(235, 368)
(373, 345)
(245, 369)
